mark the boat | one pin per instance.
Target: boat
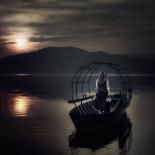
(85, 116)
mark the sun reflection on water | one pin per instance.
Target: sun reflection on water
(21, 105)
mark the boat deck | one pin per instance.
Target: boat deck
(88, 108)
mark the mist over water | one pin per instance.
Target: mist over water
(34, 119)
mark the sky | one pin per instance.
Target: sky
(114, 26)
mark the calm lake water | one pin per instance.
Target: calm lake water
(34, 119)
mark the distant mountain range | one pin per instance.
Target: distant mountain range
(67, 60)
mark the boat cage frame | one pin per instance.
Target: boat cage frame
(88, 70)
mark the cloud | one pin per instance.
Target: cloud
(117, 26)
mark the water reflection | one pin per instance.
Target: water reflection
(95, 140)
(21, 105)
(47, 125)
(14, 104)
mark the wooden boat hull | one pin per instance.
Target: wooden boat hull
(122, 130)
(95, 121)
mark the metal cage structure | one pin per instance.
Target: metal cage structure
(81, 83)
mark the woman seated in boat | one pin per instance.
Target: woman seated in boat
(102, 93)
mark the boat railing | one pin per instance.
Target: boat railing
(81, 99)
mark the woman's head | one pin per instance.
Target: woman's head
(102, 77)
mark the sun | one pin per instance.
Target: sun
(21, 42)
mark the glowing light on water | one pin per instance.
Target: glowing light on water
(21, 105)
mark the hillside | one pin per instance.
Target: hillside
(67, 60)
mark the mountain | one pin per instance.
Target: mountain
(4, 51)
(67, 60)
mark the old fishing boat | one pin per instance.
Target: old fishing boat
(85, 115)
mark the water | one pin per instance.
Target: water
(34, 120)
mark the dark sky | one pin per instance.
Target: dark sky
(115, 26)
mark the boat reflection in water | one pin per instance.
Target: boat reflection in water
(100, 138)
(21, 105)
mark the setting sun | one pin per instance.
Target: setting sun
(21, 42)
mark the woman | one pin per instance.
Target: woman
(102, 93)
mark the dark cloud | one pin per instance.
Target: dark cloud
(115, 26)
